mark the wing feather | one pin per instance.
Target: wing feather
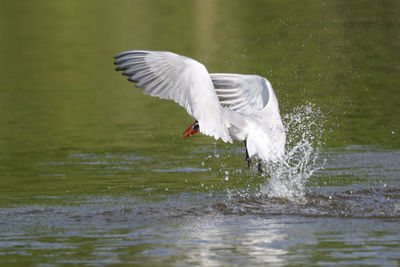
(170, 76)
(244, 93)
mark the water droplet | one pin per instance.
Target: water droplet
(289, 176)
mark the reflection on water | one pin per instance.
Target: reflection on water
(345, 228)
(224, 239)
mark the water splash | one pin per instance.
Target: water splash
(288, 177)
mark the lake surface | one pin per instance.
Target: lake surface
(92, 172)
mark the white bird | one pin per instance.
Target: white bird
(225, 106)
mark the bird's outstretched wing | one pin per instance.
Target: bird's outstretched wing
(186, 81)
(242, 93)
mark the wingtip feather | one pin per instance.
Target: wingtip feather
(131, 79)
(127, 52)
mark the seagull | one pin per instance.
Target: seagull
(225, 106)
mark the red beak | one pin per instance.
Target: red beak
(191, 130)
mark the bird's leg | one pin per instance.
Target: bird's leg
(248, 160)
(191, 130)
(260, 170)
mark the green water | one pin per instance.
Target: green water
(93, 172)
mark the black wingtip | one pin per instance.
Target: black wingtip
(132, 80)
(127, 52)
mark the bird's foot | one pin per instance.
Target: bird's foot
(249, 162)
(191, 130)
(259, 168)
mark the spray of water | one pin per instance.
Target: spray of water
(288, 177)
